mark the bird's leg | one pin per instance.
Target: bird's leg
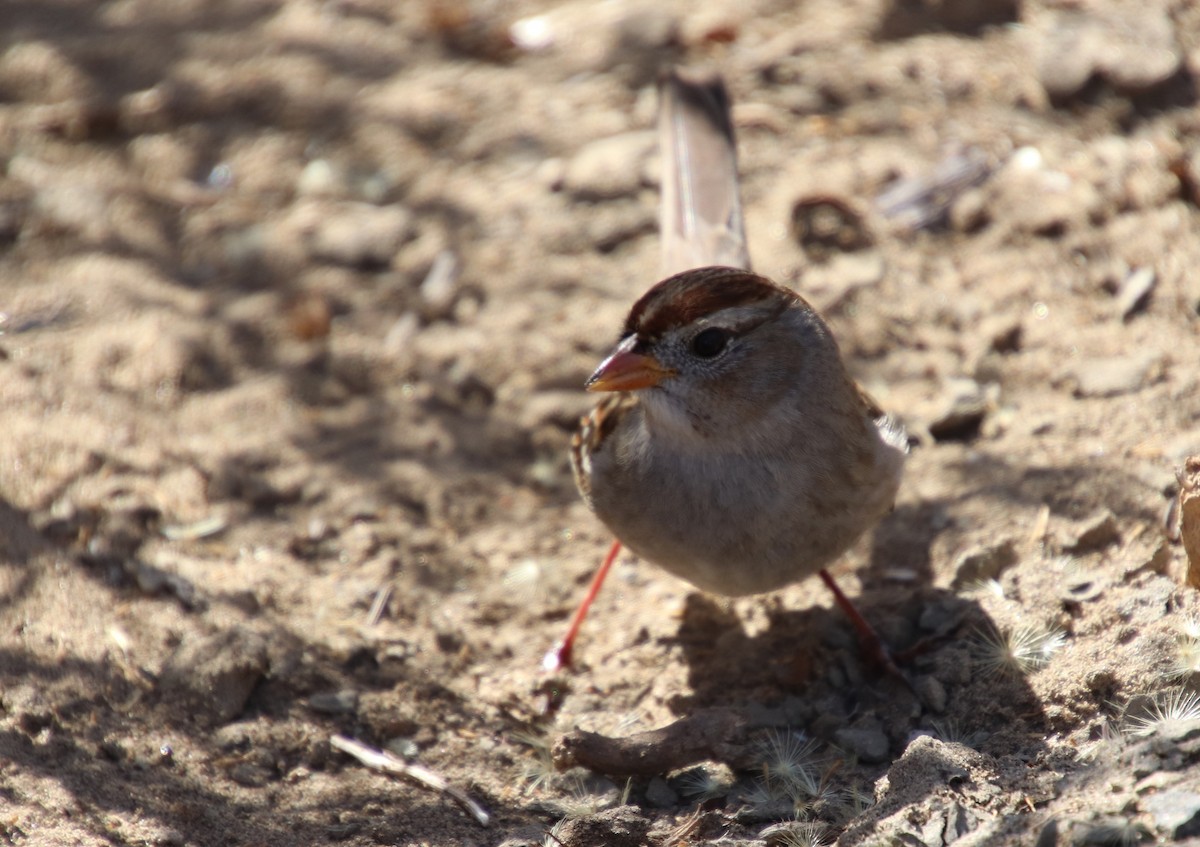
(560, 656)
(869, 640)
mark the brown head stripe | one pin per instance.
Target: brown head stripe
(686, 297)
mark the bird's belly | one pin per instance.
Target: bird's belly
(734, 541)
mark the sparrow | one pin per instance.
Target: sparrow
(734, 450)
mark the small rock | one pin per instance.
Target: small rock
(624, 826)
(1189, 175)
(214, 675)
(1048, 837)
(168, 836)
(960, 410)
(440, 286)
(825, 225)
(1134, 49)
(1109, 832)
(39, 71)
(151, 580)
(867, 742)
(1109, 377)
(932, 693)
(905, 19)
(1158, 562)
(609, 167)
(840, 275)
(612, 225)
(28, 706)
(1004, 333)
(986, 561)
(1177, 813)
(526, 836)
(358, 235)
(1029, 195)
(940, 616)
(233, 737)
(249, 775)
(661, 795)
(1135, 291)
(322, 178)
(344, 702)
(1095, 533)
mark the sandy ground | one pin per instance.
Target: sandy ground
(297, 302)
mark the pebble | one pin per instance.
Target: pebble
(1095, 533)
(1134, 49)
(322, 178)
(214, 675)
(609, 167)
(943, 614)
(1135, 291)
(167, 836)
(1028, 195)
(1177, 813)
(867, 742)
(440, 287)
(824, 225)
(151, 580)
(623, 826)
(1003, 332)
(959, 411)
(343, 702)
(832, 282)
(1114, 375)
(249, 775)
(661, 795)
(41, 71)
(1189, 176)
(357, 235)
(986, 561)
(610, 226)
(932, 693)
(525, 836)
(28, 706)
(905, 20)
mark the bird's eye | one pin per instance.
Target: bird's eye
(710, 342)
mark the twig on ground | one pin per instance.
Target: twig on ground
(379, 605)
(384, 761)
(717, 734)
(1189, 517)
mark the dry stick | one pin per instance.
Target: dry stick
(379, 604)
(383, 761)
(720, 734)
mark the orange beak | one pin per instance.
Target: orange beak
(625, 370)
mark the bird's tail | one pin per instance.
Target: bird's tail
(701, 213)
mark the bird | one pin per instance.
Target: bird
(733, 449)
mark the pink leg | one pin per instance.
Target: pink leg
(560, 656)
(870, 642)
